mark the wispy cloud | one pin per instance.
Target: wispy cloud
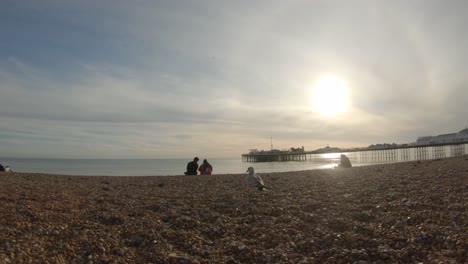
(119, 79)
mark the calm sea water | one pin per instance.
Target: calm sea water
(168, 167)
(149, 167)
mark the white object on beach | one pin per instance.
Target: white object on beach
(254, 180)
(7, 169)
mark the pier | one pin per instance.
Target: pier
(364, 155)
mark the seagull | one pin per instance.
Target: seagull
(254, 180)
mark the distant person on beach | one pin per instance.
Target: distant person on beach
(192, 167)
(5, 169)
(254, 180)
(205, 168)
(344, 162)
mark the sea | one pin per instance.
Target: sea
(235, 165)
(151, 167)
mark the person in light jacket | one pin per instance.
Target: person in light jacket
(205, 168)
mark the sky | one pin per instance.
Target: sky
(208, 78)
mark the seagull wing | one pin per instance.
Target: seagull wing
(259, 180)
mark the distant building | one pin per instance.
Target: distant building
(276, 151)
(297, 149)
(327, 149)
(383, 146)
(459, 137)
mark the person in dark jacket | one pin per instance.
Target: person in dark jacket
(192, 167)
(344, 162)
(5, 168)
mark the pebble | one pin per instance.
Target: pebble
(370, 217)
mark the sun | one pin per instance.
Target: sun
(330, 95)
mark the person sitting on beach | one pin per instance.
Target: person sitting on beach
(5, 169)
(254, 180)
(205, 168)
(192, 167)
(344, 162)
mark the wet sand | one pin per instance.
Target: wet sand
(396, 213)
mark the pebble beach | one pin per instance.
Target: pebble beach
(412, 212)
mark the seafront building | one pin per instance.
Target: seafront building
(459, 137)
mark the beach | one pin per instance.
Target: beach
(412, 212)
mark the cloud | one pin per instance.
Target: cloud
(149, 79)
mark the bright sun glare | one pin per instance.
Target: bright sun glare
(330, 95)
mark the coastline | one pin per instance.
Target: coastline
(402, 212)
(146, 167)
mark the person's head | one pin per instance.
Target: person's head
(205, 161)
(195, 159)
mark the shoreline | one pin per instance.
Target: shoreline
(401, 212)
(138, 167)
